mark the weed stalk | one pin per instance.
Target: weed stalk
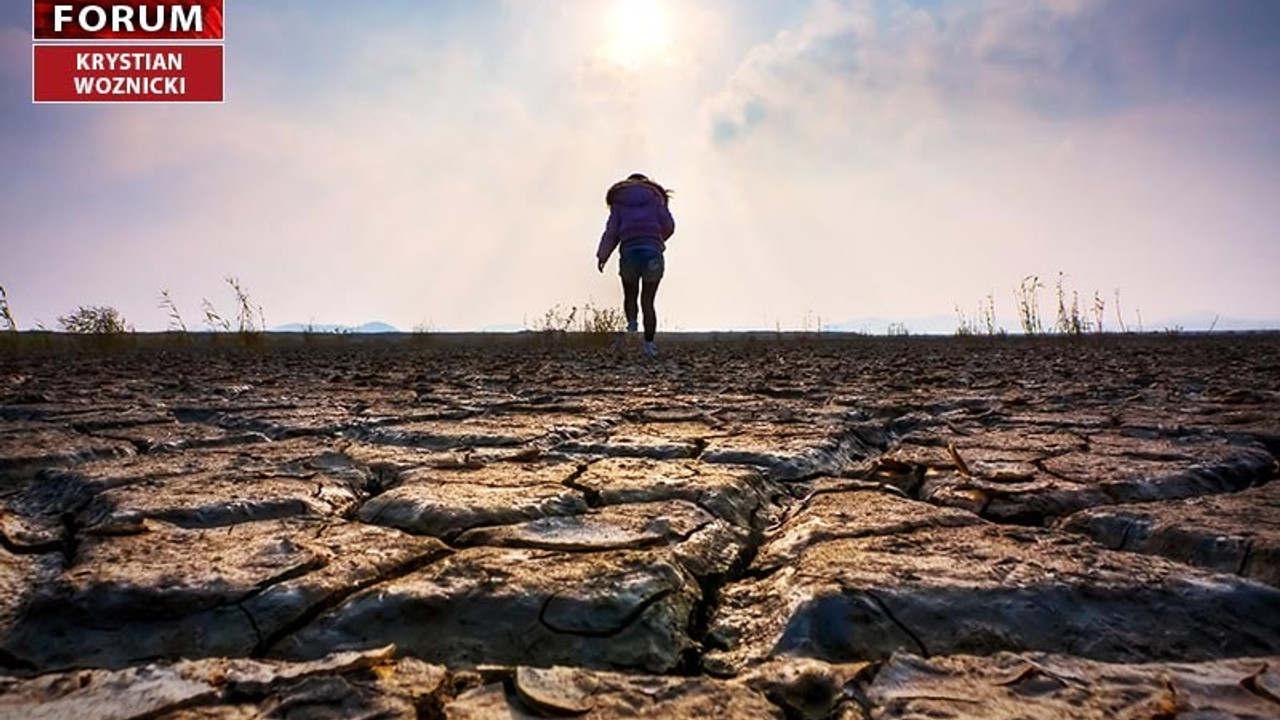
(175, 318)
(6, 314)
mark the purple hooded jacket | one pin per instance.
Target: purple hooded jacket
(637, 210)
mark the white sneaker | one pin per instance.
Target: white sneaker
(650, 349)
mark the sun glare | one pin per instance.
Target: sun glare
(639, 33)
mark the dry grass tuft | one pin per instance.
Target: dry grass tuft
(94, 320)
(175, 318)
(6, 316)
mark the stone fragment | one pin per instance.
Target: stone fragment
(808, 689)
(173, 437)
(172, 592)
(734, 494)
(1236, 533)
(704, 545)
(21, 577)
(610, 696)
(126, 694)
(272, 421)
(470, 470)
(109, 419)
(514, 606)
(487, 431)
(1010, 485)
(1138, 470)
(789, 453)
(670, 440)
(622, 527)
(1012, 687)
(844, 515)
(446, 503)
(553, 691)
(981, 589)
(339, 686)
(394, 460)
(220, 500)
(38, 514)
(291, 457)
(45, 446)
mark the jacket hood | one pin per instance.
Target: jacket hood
(635, 193)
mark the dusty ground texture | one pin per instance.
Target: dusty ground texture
(812, 528)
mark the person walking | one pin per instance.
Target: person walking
(640, 222)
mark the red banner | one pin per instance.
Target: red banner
(128, 73)
(128, 20)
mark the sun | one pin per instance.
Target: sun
(639, 33)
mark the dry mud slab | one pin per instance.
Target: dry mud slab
(824, 527)
(1232, 533)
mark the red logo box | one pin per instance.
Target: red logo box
(128, 20)
(127, 73)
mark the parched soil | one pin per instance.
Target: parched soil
(750, 527)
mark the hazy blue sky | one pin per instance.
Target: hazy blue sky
(444, 162)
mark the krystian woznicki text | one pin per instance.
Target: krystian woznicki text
(116, 62)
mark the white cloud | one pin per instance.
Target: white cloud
(911, 158)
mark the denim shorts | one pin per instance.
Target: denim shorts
(639, 262)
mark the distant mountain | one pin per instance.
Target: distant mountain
(369, 328)
(375, 328)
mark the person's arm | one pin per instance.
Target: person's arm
(608, 240)
(667, 222)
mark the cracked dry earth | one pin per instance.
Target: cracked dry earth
(844, 528)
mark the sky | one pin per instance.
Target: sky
(442, 163)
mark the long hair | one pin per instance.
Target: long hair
(637, 179)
